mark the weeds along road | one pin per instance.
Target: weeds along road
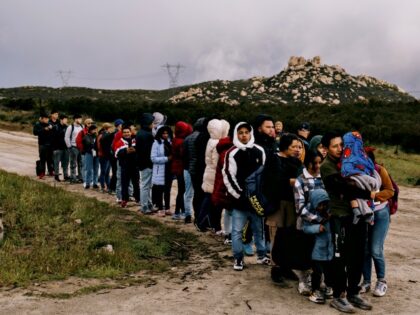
(213, 291)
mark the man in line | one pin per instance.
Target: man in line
(44, 131)
(74, 153)
(60, 152)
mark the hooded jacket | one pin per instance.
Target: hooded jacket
(240, 162)
(220, 196)
(190, 151)
(44, 136)
(144, 142)
(182, 130)
(323, 248)
(159, 156)
(125, 159)
(217, 129)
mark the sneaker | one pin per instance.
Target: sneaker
(123, 204)
(182, 216)
(168, 212)
(358, 301)
(57, 179)
(248, 249)
(264, 260)
(188, 219)
(87, 187)
(317, 297)
(95, 186)
(305, 289)
(161, 213)
(41, 176)
(228, 239)
(342, 305)
(380, 288)
(176, 217)
(147, 212)
(220, 233)
(365, 287)
(238, 265)
(328, 292)
(118, 201)
(80, 181)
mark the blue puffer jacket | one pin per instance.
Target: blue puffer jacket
(159, 163)
(323, 248)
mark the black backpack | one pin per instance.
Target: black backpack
(254, 194)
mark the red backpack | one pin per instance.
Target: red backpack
(393, 201)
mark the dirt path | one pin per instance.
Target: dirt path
(220, 291)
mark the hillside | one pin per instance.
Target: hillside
(302, 81)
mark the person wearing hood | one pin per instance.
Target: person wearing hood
(244, 158)
(265, 133)
(316, 145)
(182, 130)
(158, 120)
(217, 129)
(161, 156)
(144, 142)
(323, 249)
(194, 162)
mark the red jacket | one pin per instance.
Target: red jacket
(79, 139)
(220, 196)
(182, 130)
(115, 142)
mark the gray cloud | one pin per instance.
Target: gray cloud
(122, 44)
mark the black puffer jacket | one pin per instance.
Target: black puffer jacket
(58, 143)
(45, 137)
(191, 151)
(144, 142)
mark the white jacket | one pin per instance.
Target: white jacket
(217, 129)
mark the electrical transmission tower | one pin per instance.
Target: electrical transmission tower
(173, 72)
(64, 76)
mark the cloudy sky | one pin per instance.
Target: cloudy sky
(123, 44)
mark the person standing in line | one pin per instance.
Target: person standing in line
(91, 157)
(44, 130)
(54, 122)
(144, 142)
(60, 152)
(113, 160)
(74, 153)
(244, 158)
(79, 144)
(182, 130)
(104, 152)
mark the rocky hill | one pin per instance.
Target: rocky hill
(302, 81)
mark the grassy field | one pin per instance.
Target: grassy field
(403, 167)
(44, 240)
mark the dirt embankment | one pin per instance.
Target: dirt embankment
(198, 290)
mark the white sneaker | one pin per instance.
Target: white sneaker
(238, 265)
(264, 260)
(365, 287)
(304, 288)
(380, 289)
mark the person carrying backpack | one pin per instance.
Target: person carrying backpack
(377, 232)
(244, 158)
(74, 153)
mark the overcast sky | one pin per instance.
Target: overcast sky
(123, 44)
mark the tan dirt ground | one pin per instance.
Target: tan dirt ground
(201, 289)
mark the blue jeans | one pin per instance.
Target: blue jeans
(227, 221)
(75, 163)
(105, 169)
(188, 194)
(375, 245)
(91, 166)
(61, 156)
(146, 189)
(239, 219)
(83, 162)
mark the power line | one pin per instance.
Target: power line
(173, 72)
(65, 76)
(121, 78)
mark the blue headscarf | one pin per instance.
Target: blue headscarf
(354, 160)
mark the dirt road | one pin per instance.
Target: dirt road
(220, 291)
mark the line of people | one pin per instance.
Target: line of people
(330, 196)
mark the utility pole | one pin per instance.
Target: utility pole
(173, 72)
(65, 76)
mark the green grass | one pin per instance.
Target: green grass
(43, 242)
(403, 167)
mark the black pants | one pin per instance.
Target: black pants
(113, 181)
(162, 193)
(349, 247)
(197, 181)
(130, 174)
(179, 205)
(318, 269)
(46, 157)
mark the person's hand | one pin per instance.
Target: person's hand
(131, 150)
(321, 228)
(372, 194)
(169, 157)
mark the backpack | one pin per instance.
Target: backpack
(393, 202)
(254, 194)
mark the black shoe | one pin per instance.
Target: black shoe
(80, 181)
(87, 187)
(187, 219)
(358, 301)
(276, 275)
(57, 179)
(95, 187)
(67, 179)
